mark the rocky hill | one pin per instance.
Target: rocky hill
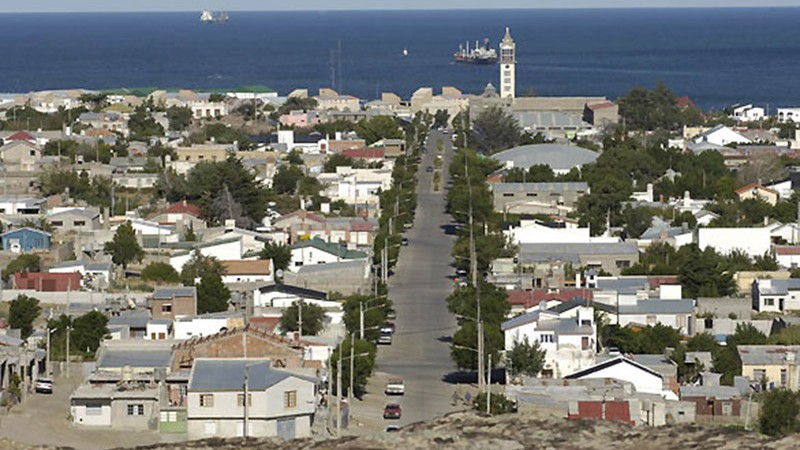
(469, 431)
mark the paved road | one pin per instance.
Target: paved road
(420, 353)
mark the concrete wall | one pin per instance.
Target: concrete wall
(65, 298)
(79, 416)
(121, 420)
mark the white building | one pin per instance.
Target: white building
(315, 251)
(566, 332)
(788, 256)
(204, 109)
(776, 295)
(752, 241)
(788, 114)
(223, 249)
(644, 379)
(531, 232)
(279, 403)
(207, 324)
(508, 63)
(721, 135)
(248, 271)
(748, 113)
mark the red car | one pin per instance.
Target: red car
(392, 411)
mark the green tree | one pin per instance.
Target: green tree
(88, 331)
(281, 255)
(207, 179)
(363, 364)
(143, 126)
(160, 272)
(336, 160)
(313, 318)
(377, 128)
(161, 152)
(27, 262)
(22, 311)
(199, 265)
(787, 336)
(702, 273)
(726, 361)
(212, 294)
(441, 117)
(295, 157)
(778, 413)
(655, 109)
(500, 404)
(179, 118)
(287, 179)
(124, 248)
(526, 358)
(494, 130)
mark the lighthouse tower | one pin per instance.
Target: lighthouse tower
(508, 62)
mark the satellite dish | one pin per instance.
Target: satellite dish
(279, 273)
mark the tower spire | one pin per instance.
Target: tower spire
(508, 62)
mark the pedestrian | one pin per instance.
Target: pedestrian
(456, 397)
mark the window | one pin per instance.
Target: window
(207, 400)
(290, 399)
(166, 307)
(94, 409)
(508, 194)
(759, 374)
(680, 321)
(623, 264)
(79, 223)
(546, 338)
(769, 302)
(531, 194)
(240, 400)
(727, 409)
(33, 153)
(135, 410)
(784, 378)
(651, 320)
(57, 223)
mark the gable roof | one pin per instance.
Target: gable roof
(610, 363)
(754, 186)
(30, 230)
(180, 208)
(229, 374)
(21, 136)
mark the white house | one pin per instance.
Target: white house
(278, 403)
(223, 249)
(776, 295)
(721, 135)
(281, 295)
(361, 185)
(672, 313)
(644, 380)
(206, 324)
(566, 332)
(787, 256)
(148, 228)
(159, 329)
(316, 251)
(748, 113)
(788, 115)
(531, 232)
(752, 241)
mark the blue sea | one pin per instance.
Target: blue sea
(716, 56)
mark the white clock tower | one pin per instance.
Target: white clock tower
(508, 62)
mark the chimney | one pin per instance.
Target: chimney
(685, 226)
(687, 199)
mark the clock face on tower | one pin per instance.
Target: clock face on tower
(508, 67)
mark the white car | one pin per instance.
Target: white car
(44, 386)
(395, 386)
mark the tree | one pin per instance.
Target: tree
(124, 248)
(179, 118)
(313, 318)
(225, 208)
(377, 128)
(161, 152)
(87, 332)
(295, 157)
(702, 274)
(160, 272)
(363, 364)
(286, 179)
(526, 358)
(726, 361)
(281, 255)
(199, 265)
(143, 126)
(23, 263)
(494, 130)
(778, 413)
(644, 109)
(336, 160)
(500, 404)
(212, 294)
(207, 179)
(440, 118)
(22, 311)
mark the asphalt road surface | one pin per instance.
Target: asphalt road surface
(420, 351)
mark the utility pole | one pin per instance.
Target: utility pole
(300, 319)
(339, 394)
(489, 389)
(244, 401)
(330, 389)
(473, 262)
(361, 320)
(352, 366)
(69, 328)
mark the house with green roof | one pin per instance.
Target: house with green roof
(314, 251)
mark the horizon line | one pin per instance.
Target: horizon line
(378, 9)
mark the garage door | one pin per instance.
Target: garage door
(286, 429)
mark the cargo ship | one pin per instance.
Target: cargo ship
(480, 54)
(213, 17)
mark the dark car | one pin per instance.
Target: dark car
(429, 169)
(404, 241)
(392, 411)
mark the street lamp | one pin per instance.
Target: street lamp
(246, 400)
(362, 310)
(48, 369)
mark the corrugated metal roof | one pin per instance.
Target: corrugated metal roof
(172, 292)
(142, 358)
(558, 157)
(228, 374)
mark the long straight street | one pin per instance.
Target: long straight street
(420, 352)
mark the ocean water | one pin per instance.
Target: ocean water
(716, 56)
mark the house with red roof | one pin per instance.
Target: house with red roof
(365, 154)
(21, 156)
(21, 135)
(182, 215)
(759, 192)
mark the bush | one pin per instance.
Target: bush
(160, 272)
(779, 410)
(500, 404)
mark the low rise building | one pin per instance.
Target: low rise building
(173, 303)
(537, 198)
(316, 251)
(773, 366)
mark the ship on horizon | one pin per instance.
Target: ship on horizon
(480, 54)
(214, 17)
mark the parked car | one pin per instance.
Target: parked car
(385, 338)
(387, 327)
(392, 428)
(391, 314)
(392, 411)
(404, 242)
(395, 386)
(44, 386)
(461, 272)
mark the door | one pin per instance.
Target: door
(286, 429)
